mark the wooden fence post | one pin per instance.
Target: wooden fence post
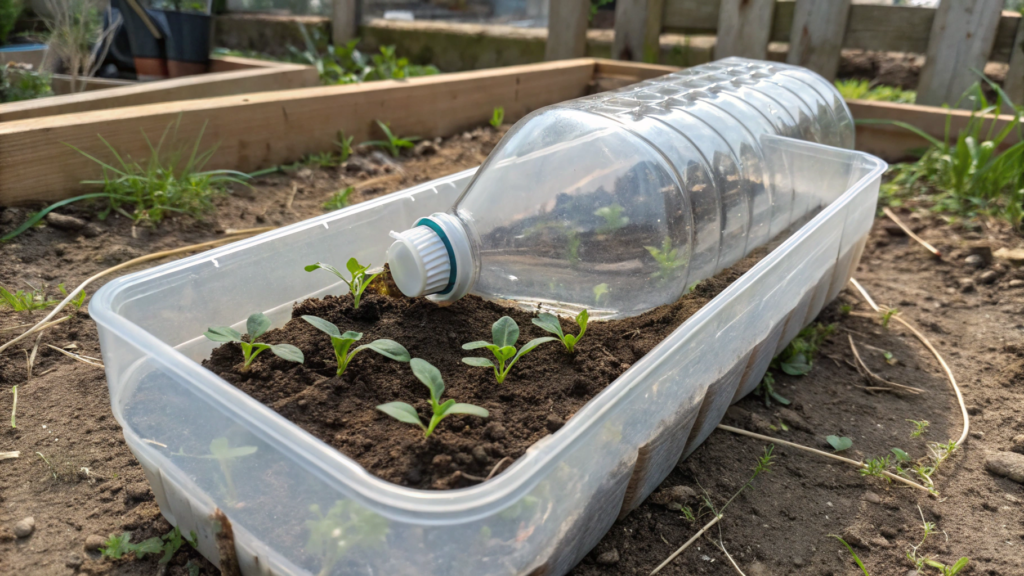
(1014, 84)
(345, 16)
(744, 27)
(567, 29)
(963, 33)
(637, 28)
(816, 38)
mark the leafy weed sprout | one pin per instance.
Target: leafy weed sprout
(550, 323)
(920, 561)
(920, 427)
(343, 342)
(431, 378)
(887, 316)
(393, 144)
(796, 359)
(76, 302)
(344, 146)
(839, 443)
(167, 182)
(497, 117)
(854, 554)
(339, 199)
(875, 467)
(668, 258)
(613, 218)
(256, 325)
(22, 301)
(17, 83)
(853, 89)
(358, 281)
(345, 64)
(601, 292)
(504, 333)
(117, 546)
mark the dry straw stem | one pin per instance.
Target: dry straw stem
(928, 345)
(10, 455)
(821, 453)
(229, 236)
(721, 546)
(687, 544)
(892, 216)
(77, 357)
(863, 369)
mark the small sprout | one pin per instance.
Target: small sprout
(901, 456)
(359, 281)
(668, 258)
(920, 427)
(505, 333)
(117, 546)
(345, 144)
(497, 117)
(78, 301)
(320, 160)
(550, 323)
(876, 467)
(572, 248)
(339, 199)
(342, 343)
(845, 309)
(431, 377)
(601, 293)
(889, 358)
(21, 301)
(613, 218)
(256, 326)
(887, 315)
(393, 144)
(766, 390)
(839, 443)
(854, 554)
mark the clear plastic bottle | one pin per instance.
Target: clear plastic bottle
(620, 201)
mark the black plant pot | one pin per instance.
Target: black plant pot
(188, 43)
(147, 50)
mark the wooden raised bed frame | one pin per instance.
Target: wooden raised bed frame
(254, 131)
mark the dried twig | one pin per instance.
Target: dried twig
(928, 345)
(496, 466)
(291, 197)
(77, 357)
(687, 544)
(10, 455)
(892, 216)
(32, 357)
(821, 453)
(721, 546)
(863, 369)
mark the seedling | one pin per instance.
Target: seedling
(504, 333)
(78, 301)
(356, 284)
(393, 144)
(550, 323)
(887, 315)
(601, 293)
(573, 248)
(345, 527)
(22, 301)
(256, 325)
(920, 427)
(845, 309)
(901, 456)
(922, 561)
(431, 378)
(342, 343)
(613, 218)
(766, 390)
(876, 467)
(117, 546)
(889, 358)
(320, 160)
(344, 145)
(854, 554)
(339, 199)
(839, 443)
(497, 117)
(668, 258)
(864, 90)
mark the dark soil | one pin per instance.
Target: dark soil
(543, 390)
(778, 526)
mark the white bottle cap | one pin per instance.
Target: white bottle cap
(433, 258)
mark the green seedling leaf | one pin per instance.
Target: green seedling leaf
(839, 443)
(431, 378)
(116, 546)
(223, 334)
(288, 352)
(480, 362)
(327, 327)
(900, 455)
(549, 323)
(343, 342)
(154, 545)
(388, 348)
(505, 333)
(402, 412)
(358, 280)
(780, 398)
(221, 449)
(467, 409)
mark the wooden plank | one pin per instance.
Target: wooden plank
(816, 35)
(344, 20)
(187, 88)
(1014, 84)
(231, 63)
(632, 69)
(637, 30)
(869, 26)
(961, 39)
(567, 29)
(744, 27)
(893, 143)
(254, 131)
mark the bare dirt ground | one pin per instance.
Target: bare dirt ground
(779, 525)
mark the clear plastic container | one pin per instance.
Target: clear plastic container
(300, 507)
(619, 202)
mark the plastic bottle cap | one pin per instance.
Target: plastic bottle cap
(419, 262)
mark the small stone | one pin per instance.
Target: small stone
(25, 528)
(93, 543)
(441, 461)
(609, 558)
(1016, 283)
(304, 173)
(893, 229)
(73, 561)
(888, 532)
(988, 277)
(6, 535)
(758, 569)
(495, 431)
(425, 148)
(912, 573)
(119, 253)
(467, 135)
(1007, 464)
(1017, 444)
(1015, 255)
(138, 491)
(982, 250)
(10, 216)
(463, 459)
(553, 423)
(760, 423)
(480, 455)
(872, 498)
(798, 561)
(674, 498)
(63, 222)
(974, 261)
(794, 420)
(965, 284)
(91, 231)
(854, 539)
(978, 435)
(881, 542)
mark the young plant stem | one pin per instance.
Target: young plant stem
(892, 216)
(861, 465)
(42, 324)
(928, 345)
(687, 544)
(81, 359)
(872, 377)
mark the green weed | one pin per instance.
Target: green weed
(863, 90)
(796, 359)
(339, 199)
(497, 117)
(344, 145)
(17, 84)
(393, 144)
(345, 64)
(668, 258)
(76, 302)
(854, 554)
(887, 316)
(345, 527)
(920, 427)
(117, 546)
(22, 301)
(920, 561)
(613, 219)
